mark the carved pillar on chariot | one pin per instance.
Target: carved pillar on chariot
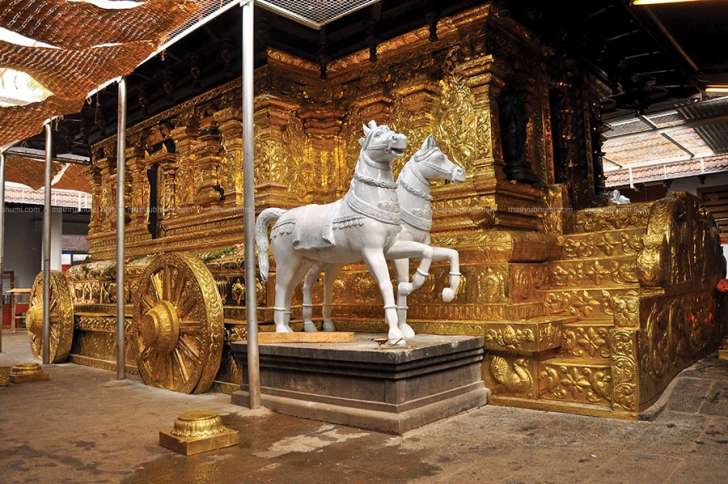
(185, 180)
(323, 128)
(502, 203)
(231, 175)
(106, 196)
(209, 156)
(96, 217)
(138, 196)
(280, 173)
(168, 170)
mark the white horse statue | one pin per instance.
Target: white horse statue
(362, 226)
(415, 204)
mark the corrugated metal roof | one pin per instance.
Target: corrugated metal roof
(710, 119)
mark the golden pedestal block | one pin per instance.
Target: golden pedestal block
(4, 376)
(27, 372)
(197, 432)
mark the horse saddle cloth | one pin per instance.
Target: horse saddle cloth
(313, 229)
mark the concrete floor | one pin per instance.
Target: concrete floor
(77, 428)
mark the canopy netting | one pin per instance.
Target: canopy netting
(71, 47)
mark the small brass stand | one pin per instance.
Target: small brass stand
(196, 432)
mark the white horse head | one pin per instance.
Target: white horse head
(433, 164)
(381, 144)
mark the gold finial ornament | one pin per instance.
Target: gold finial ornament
(198, 431)
(61, 317)
(178, 324)
(4, 376)
(26, 372)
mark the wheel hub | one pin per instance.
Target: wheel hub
(159, 327)
(34, 320)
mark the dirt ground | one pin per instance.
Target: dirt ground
(81, 427)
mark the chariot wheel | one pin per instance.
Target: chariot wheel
(178, 324)
(61, 317)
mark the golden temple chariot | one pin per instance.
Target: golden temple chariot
(584, 307)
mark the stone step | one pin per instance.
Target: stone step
(612, 217)
(610, 243)
(589, 272)
(586, 339)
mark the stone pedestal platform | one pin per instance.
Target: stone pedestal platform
(368, 385)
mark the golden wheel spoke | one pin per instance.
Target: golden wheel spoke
(189, 326)
(180, 284)
(181, 365)
(167, 289)
(189, 347)
(186, 308)
(157, 285)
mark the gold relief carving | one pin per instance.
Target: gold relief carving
(576, 383)
(612, 217)
(592, 341)
(623, 343)
(461, 131)
(490, 285)
(510, 375)
(102, 324)
(509, 338)
(626, 309)
(529, 336)
(594, 272)
(526, 280)
(602, 244)
(681, 246)
(622, 305)
(675, 331)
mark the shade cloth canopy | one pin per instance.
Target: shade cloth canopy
(70, 47)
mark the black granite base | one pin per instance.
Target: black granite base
(366, 385)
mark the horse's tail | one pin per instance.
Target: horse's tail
(265, 218)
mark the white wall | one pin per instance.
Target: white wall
(22, 244)
(691, 184)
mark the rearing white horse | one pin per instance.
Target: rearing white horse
(415, 203)
(361, 226)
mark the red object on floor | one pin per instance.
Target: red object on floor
(722, 285)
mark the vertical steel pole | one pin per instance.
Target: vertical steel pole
(120, 187)
(47, 242)
(2, 246)
(249, 209)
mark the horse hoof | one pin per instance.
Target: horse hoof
(309, 327)
(407, 331)
(397, 342)
(283, 329)
(448, 295)
(329, 326)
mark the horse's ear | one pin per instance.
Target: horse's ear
(428, 144)
(366, 129)
(373, 124)
(361, 142)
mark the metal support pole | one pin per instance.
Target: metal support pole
(249, 209)
(120, 212)
(47, 242)
(2, 246)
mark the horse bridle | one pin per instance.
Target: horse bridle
(424, 159)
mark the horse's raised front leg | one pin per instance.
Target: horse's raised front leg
(406, 249)
(444, 253)
(331, 271)
(377, 264)
(402, 267)
(308, 281)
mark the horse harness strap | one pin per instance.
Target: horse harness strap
(420, 223)
(368, 210)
